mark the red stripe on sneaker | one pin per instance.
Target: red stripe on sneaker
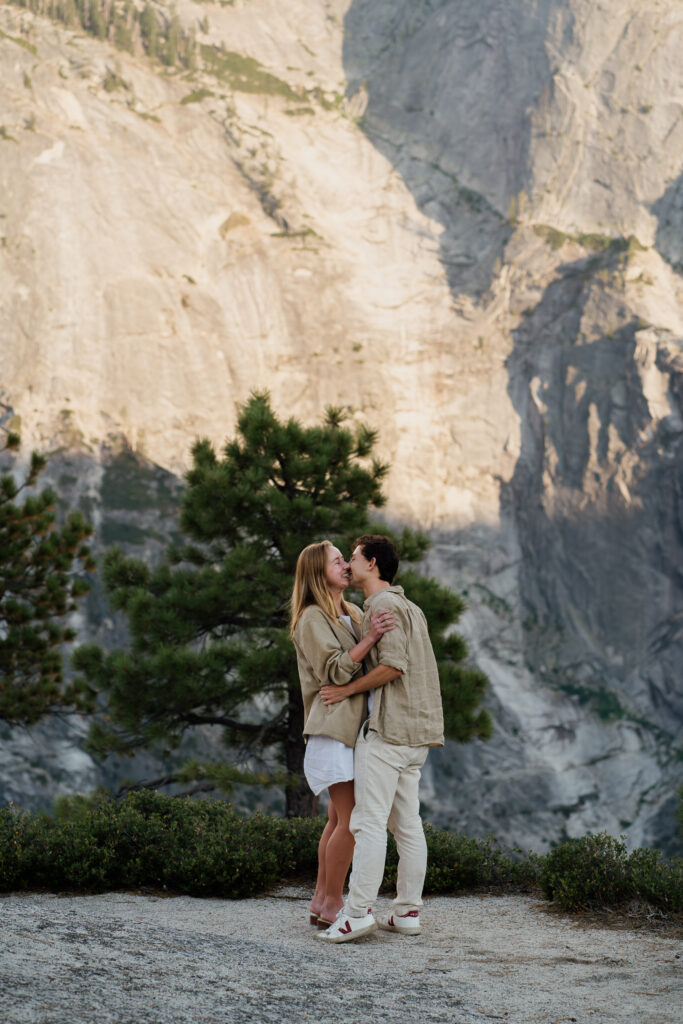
(345, 931)
(411, 913)
(390, 922)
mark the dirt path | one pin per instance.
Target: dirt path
(127, 959)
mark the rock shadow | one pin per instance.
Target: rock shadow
(597, 501)
(446, 87)
(669, 236)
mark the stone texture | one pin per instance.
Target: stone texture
(470, 235)
(126, 958)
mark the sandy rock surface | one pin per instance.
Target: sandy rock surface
(133, 959)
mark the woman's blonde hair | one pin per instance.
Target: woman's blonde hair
(310, 586)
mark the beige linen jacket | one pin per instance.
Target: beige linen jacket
(408, 710)
(322, 647)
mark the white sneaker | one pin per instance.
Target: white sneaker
(346, 929)
(406, 924)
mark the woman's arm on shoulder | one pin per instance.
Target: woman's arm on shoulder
(381, 622)
(392, 646)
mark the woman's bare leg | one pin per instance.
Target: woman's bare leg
(339, 850)
(316, 904)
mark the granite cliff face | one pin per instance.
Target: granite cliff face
(464, 221)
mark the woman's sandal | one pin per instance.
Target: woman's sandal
(323, 923)
(312, 918)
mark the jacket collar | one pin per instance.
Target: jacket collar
(385, 590)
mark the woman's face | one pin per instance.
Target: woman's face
(336, 570)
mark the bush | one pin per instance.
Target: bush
(456, 862)
(597, 871)
(586, 872)
(199, 847)
(204, 848)
(657, 881)
(10, 847)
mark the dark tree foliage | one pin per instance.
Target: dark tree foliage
(209, 628)
(39, 586)
(159, 35)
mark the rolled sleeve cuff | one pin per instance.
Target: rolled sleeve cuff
(393, 660)
(348, 667)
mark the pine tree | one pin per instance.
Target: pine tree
(39, 586)
(98, 22)
(123, 37)
(190, 50)
(174, 35)
(209, 628)
(149, 30)
(67, 12)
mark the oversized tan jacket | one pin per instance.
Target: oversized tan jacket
(408, 710)
(322, 648)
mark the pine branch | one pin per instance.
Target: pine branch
(192, 718)
(133, 787)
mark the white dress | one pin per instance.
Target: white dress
(327, 760)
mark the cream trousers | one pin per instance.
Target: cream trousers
(387, 779)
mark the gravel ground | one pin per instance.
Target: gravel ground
(134, 959)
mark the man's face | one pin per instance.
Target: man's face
(359, 566)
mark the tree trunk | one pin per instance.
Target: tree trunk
(299, 800)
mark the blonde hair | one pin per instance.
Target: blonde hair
(310, 586)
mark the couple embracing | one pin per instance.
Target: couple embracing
(372, 706)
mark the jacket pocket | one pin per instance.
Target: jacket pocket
(363, 734)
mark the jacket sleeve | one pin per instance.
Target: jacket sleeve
(329, 661)
(392, 646)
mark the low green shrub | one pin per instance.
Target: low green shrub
(204, 848)
(590, 871)
(200, 847)
(657, 881)
(456, 862)
(597, 871)
(11, 842)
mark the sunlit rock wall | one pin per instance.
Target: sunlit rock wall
(461, 221)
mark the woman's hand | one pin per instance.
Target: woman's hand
(380, 623)
(333, 694)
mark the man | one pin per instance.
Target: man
(406, 719)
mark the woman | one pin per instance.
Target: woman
(324, 629)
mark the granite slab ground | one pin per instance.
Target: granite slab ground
(121, 958)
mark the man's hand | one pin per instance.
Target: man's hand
(333, 694)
